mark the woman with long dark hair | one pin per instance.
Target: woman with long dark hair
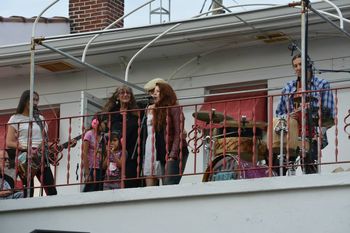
(123, 99)
(17, 142)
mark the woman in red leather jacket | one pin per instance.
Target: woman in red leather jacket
(166, 151)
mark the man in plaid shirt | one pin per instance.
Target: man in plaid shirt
(288, 106)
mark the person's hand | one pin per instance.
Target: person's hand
(34, 151)
(73, 143)
(172, 158)
(294, 115)
(4, 157)
(5, 193)
(86, 175)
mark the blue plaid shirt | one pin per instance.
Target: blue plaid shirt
(327, 102)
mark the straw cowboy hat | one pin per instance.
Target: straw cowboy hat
(150, 85)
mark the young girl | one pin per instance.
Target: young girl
(113, 163)
(94, 150)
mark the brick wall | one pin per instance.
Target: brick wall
(92, 15)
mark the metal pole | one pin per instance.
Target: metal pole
(111, 25)
(329, 21)
(341, 23)
(31, 92)
(144, 48)
(281, 149)
(303, 76)
(32, 60)
(216, 4)
(155, 39)
(161, 12)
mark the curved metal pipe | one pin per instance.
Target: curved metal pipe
(145, 47)
(111, 25)
(215, 49)
(32, 60)
(333, 15)
(31, 80)
(159, 36)
(339, 13)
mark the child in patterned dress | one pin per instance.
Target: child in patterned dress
(113, 163)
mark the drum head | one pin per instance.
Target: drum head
(223, 168)
(229, 168)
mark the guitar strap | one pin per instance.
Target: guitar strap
(45, 137)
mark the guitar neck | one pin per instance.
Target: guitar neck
(65, 145)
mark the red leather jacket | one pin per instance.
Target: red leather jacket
(172, 137)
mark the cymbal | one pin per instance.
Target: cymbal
(210, 116)
(247, 124)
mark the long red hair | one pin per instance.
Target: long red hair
(167, 97)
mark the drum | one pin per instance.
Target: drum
(245, 131)
(244, 145)
(229, 168)
(292, 143)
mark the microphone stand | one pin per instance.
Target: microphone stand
(103, 154)
(142, 125)
(306, 83)
(36, 116)
(332, 71)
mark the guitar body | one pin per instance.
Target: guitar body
(54, 156)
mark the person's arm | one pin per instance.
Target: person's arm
(118, 160)
(328, 107)
(282, 104)
(11, 139)
(5, 193)
(175, 118)
(327, 99)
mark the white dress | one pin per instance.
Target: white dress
(147, 164)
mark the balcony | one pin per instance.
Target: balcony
(230, 173)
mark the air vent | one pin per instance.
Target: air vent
(57, 66)
(273, 37)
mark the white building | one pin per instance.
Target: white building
(200, 56)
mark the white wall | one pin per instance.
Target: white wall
(270, 62)
(16, 33)
(279, 204)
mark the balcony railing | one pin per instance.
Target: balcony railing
(226, 140)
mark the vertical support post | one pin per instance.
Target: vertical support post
(303, 75)
(269, 130)
(123, 113)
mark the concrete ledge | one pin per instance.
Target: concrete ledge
(234, 187)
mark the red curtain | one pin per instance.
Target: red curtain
(252, 105)
(49, 114)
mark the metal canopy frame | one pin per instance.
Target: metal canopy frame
(40, 41)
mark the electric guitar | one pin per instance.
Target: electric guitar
(54, 156)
